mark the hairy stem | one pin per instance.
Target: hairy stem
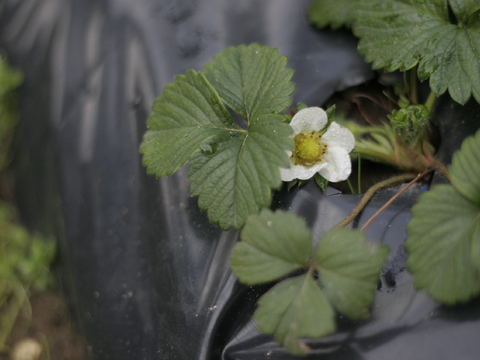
(369, 194)
(412, 85)
(436, 165)
(432, 97)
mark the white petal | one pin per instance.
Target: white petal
(339, 165)
(308, 119)
(340, 136)
(300, 172)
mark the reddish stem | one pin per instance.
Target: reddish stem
(393, 198)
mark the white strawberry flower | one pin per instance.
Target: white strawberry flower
(317, 150)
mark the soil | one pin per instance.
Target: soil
(52, 326)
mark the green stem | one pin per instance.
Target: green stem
(359, 172)
(432, 97)
(435, 164)
(369, 194)
(372, 154)
(412, 84)
(350, 186)
(438, 166)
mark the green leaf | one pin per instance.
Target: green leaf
(274, 245)
(237, 179)
(321, 182)
(476, 255)
(399, 34)
(187, 114)
(409, 123)
(463, 8)
(233, 170)
(444, 234)
(252, 80)
(293, 309)
(465, 168)
(300, 106)
(348, 268)
(333, 13)
(292, 184)
(10, 78)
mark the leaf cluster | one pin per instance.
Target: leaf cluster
(444, 241)
(25, 261)
(234, 164)
(441, 37)
(409, 123)
(24, 257)
(328, 278)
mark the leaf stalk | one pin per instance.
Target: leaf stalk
(413, 85)
(369, 194)
(432, 97)
(393, 198)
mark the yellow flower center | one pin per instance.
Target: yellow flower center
(309, 149)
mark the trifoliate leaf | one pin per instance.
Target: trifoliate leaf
(348, 270)
(234, 169)
(237, 179)
(465, 169)
(444, 233)
(274, 245)
(293, 309)
(399, 34)
(189, 113)
(252, 80)
(333, 13)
